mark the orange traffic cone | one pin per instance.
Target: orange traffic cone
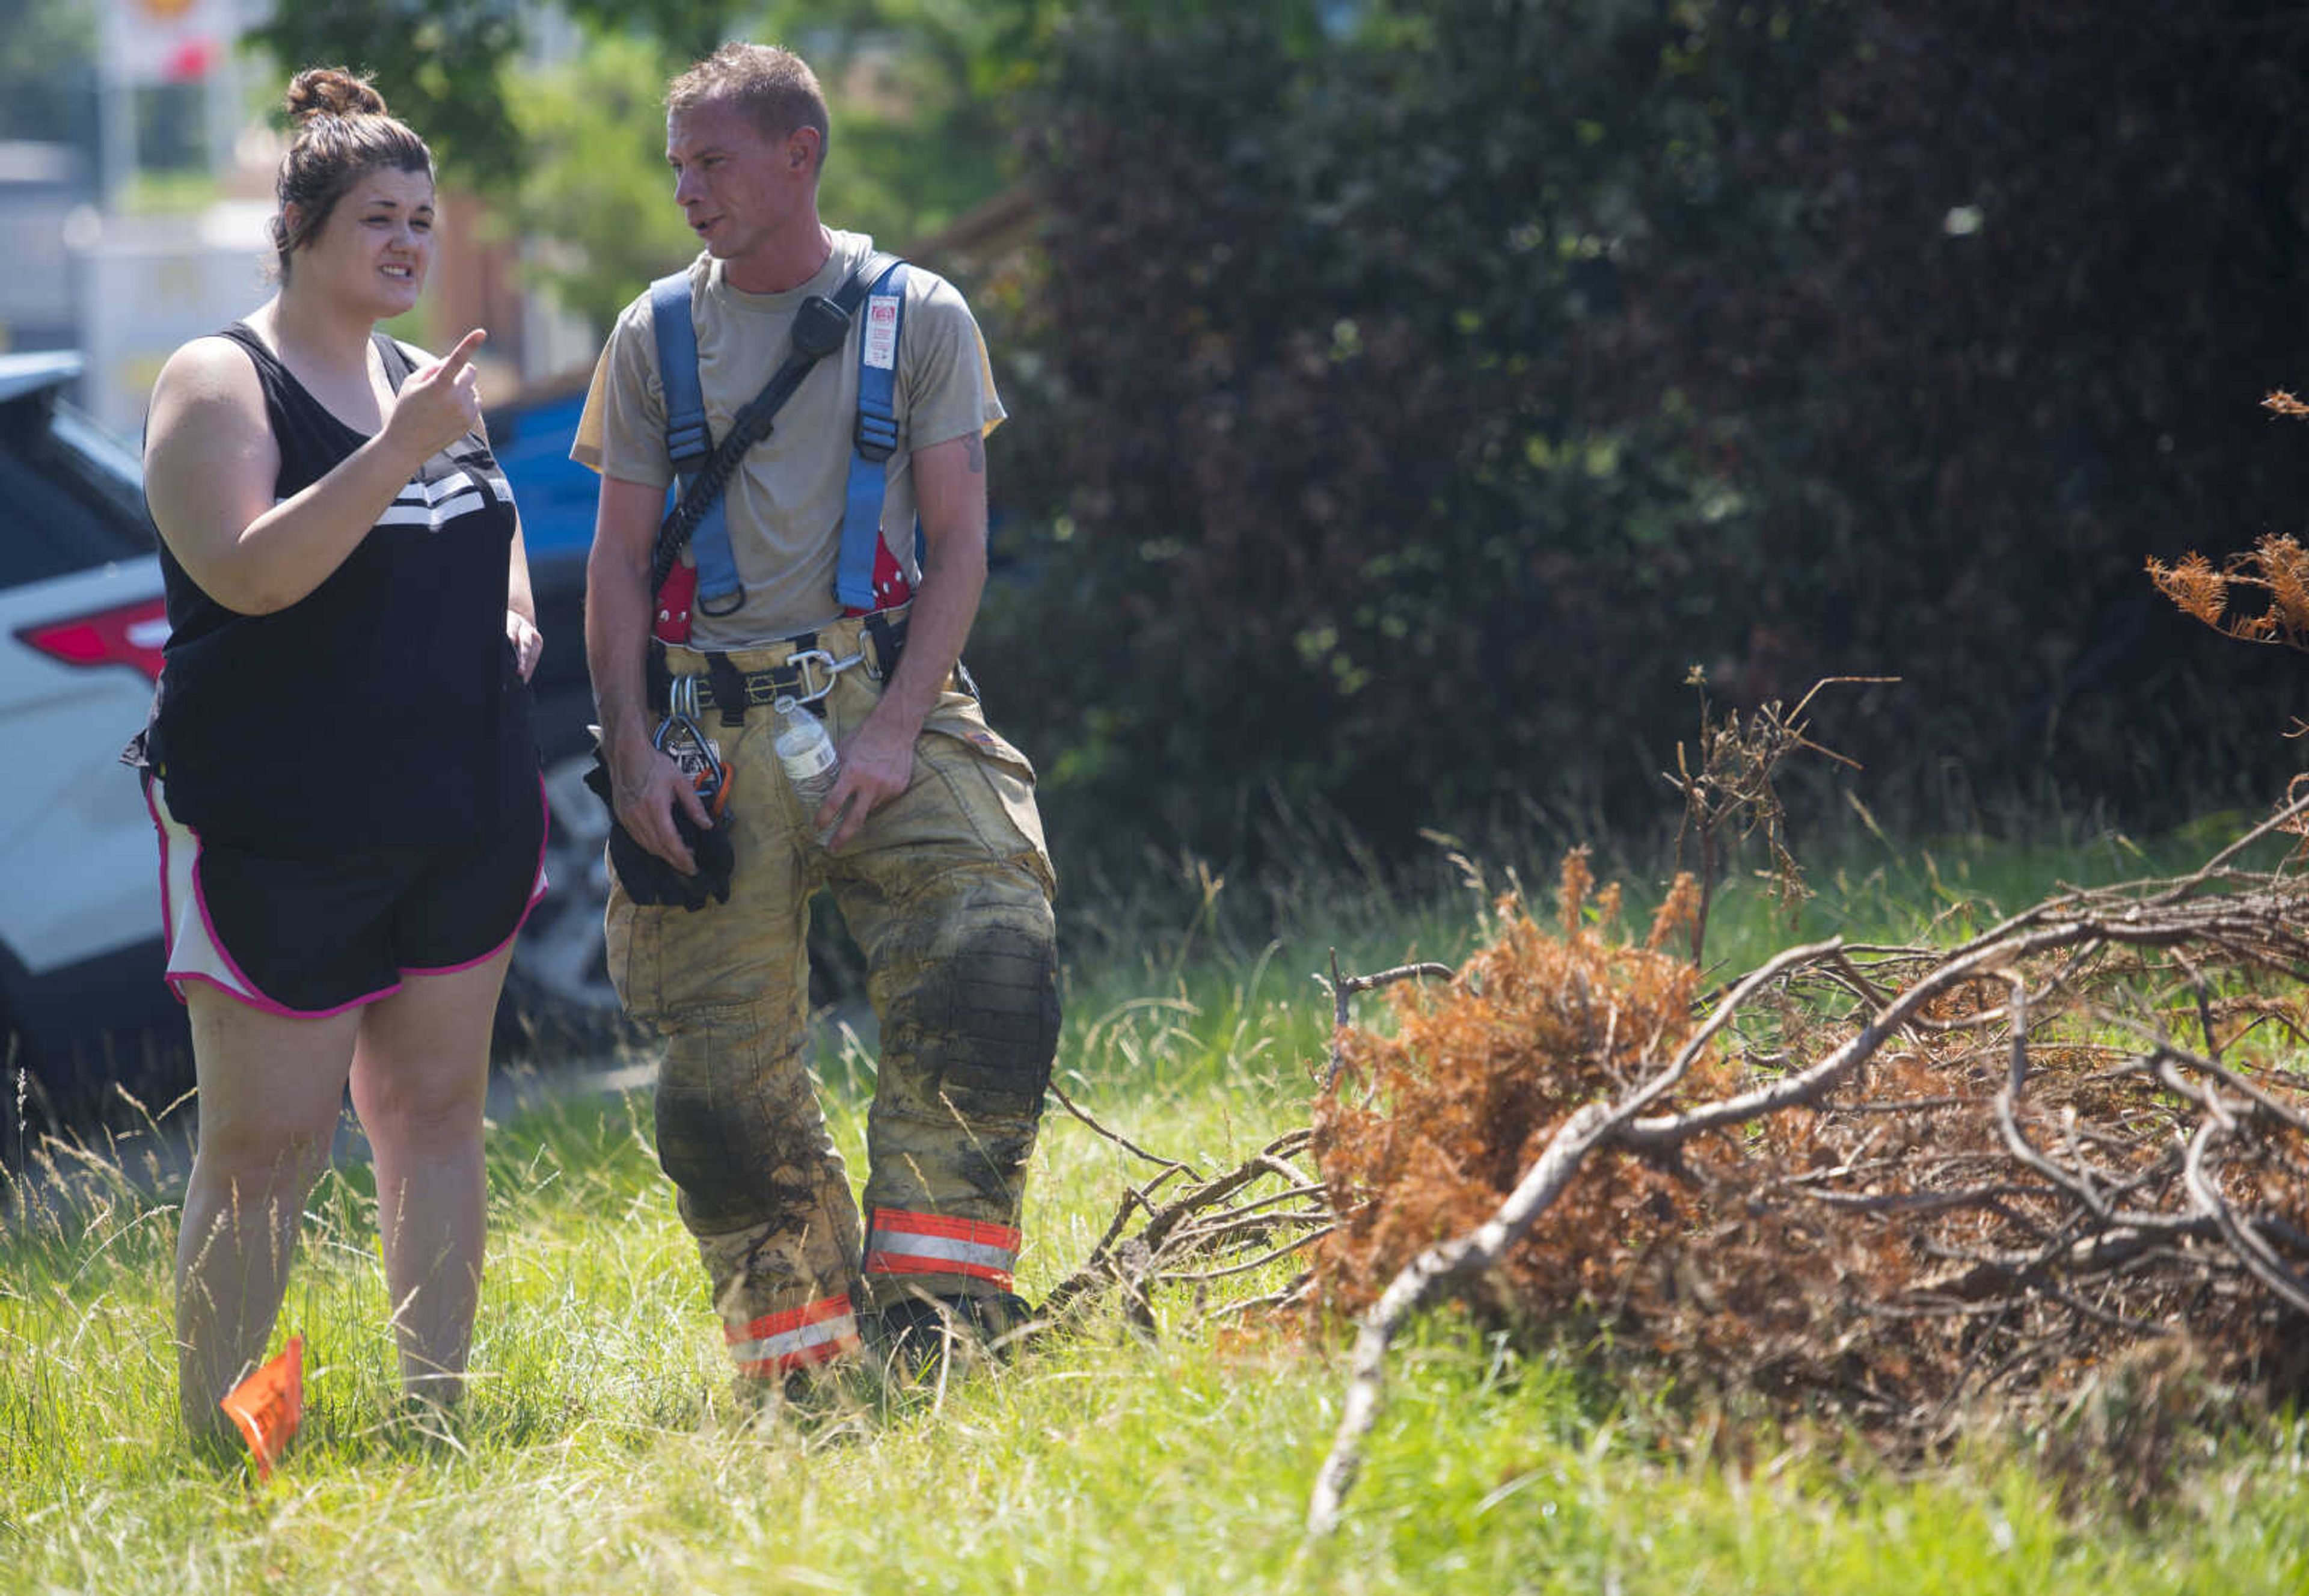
(267, 1405)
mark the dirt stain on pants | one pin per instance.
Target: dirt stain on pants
(947, 892)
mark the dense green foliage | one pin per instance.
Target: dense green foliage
(444, 65)
(1424, 398)
(572, 151)
(437, 66)
(920, 90)
(596, 182)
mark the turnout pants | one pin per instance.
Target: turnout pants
(947, 892)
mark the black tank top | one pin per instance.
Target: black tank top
(382, 710)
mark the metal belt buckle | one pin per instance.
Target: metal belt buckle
(808, 690)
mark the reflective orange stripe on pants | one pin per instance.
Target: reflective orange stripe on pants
(794, 1338)
(911, 1244)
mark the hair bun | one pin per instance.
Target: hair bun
(331, 91)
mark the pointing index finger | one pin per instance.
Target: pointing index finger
(461, 356)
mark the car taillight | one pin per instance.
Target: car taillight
(130, 635)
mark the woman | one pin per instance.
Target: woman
(341, 759)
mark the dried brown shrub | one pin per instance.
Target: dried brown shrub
(1426, 1130)
(2021, 1182)
(2277, 567)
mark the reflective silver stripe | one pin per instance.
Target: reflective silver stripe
(909, 1243)
(787, 1343)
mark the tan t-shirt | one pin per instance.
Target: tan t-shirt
(784, 501)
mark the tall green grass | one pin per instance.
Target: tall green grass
(603, 1449)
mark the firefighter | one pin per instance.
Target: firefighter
(814, 595)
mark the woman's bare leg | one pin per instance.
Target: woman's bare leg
(419, 1079)
(270, 1089)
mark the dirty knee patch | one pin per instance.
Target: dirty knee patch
(990, 1020)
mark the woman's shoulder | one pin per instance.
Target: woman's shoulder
(211, 369)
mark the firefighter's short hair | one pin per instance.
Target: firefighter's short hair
(773, 88)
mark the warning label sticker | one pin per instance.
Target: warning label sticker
(882, 331)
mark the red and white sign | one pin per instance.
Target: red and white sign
(166, 41)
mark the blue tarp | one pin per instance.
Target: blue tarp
(555, 493)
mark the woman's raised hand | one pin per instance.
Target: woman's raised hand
(440, 402)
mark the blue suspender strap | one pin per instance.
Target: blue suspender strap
(690, 441)
(876, 440)
(687, 438)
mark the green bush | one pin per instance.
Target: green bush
(1415, 393)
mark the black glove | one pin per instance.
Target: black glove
(650, 880)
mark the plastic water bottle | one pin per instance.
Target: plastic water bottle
(807, 754)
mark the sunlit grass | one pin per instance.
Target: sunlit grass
(603, 1449)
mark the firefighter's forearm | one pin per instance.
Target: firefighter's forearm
(618, 615)
(953, 577)
(950, 486)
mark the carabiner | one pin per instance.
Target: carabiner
(703, 767)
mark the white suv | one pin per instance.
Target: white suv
(82, 624)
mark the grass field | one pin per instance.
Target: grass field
(603, 1449)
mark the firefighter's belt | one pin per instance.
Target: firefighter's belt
(806, 674)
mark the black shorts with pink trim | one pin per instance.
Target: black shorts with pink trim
(313, 937)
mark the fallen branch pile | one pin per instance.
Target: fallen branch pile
(1892, 1181)
(1885, 1183)
(1195, 1230)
